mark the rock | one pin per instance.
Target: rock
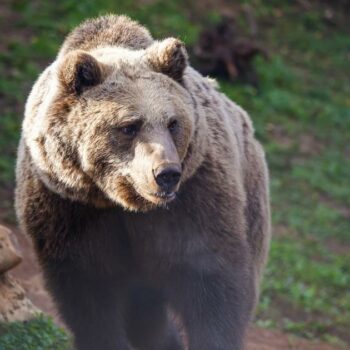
(8, 255)
(14, 305)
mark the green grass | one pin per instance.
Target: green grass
(38, 334)
(301, 113)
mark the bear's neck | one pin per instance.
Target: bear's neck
(199, 145)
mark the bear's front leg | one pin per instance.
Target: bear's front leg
(215, 305)
(89, 305)
(148, 324)
(83, 256)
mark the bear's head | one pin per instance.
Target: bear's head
(117, 124)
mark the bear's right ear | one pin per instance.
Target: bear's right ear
(78, 71)
(168, 57)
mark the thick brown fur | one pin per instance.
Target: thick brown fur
(112, 118)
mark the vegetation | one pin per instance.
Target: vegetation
(39, 334)
(301, 112)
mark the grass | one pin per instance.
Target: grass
(38, 334)
(301, 112)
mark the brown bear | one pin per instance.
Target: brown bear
(143, 190)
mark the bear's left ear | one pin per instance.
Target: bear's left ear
(168, 57)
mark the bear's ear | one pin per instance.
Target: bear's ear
(168, 57)
(78, 71)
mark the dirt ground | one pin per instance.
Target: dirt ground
(28, 273)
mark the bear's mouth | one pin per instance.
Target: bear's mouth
(159, 198)
(168, 196)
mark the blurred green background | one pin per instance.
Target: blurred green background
(301, 113)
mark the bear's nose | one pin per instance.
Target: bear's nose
(167, 177)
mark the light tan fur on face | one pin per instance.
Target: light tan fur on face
(153, 145)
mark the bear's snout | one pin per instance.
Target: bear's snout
(167, 177)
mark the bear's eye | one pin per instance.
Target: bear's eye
(172, 125)
(130, 130)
